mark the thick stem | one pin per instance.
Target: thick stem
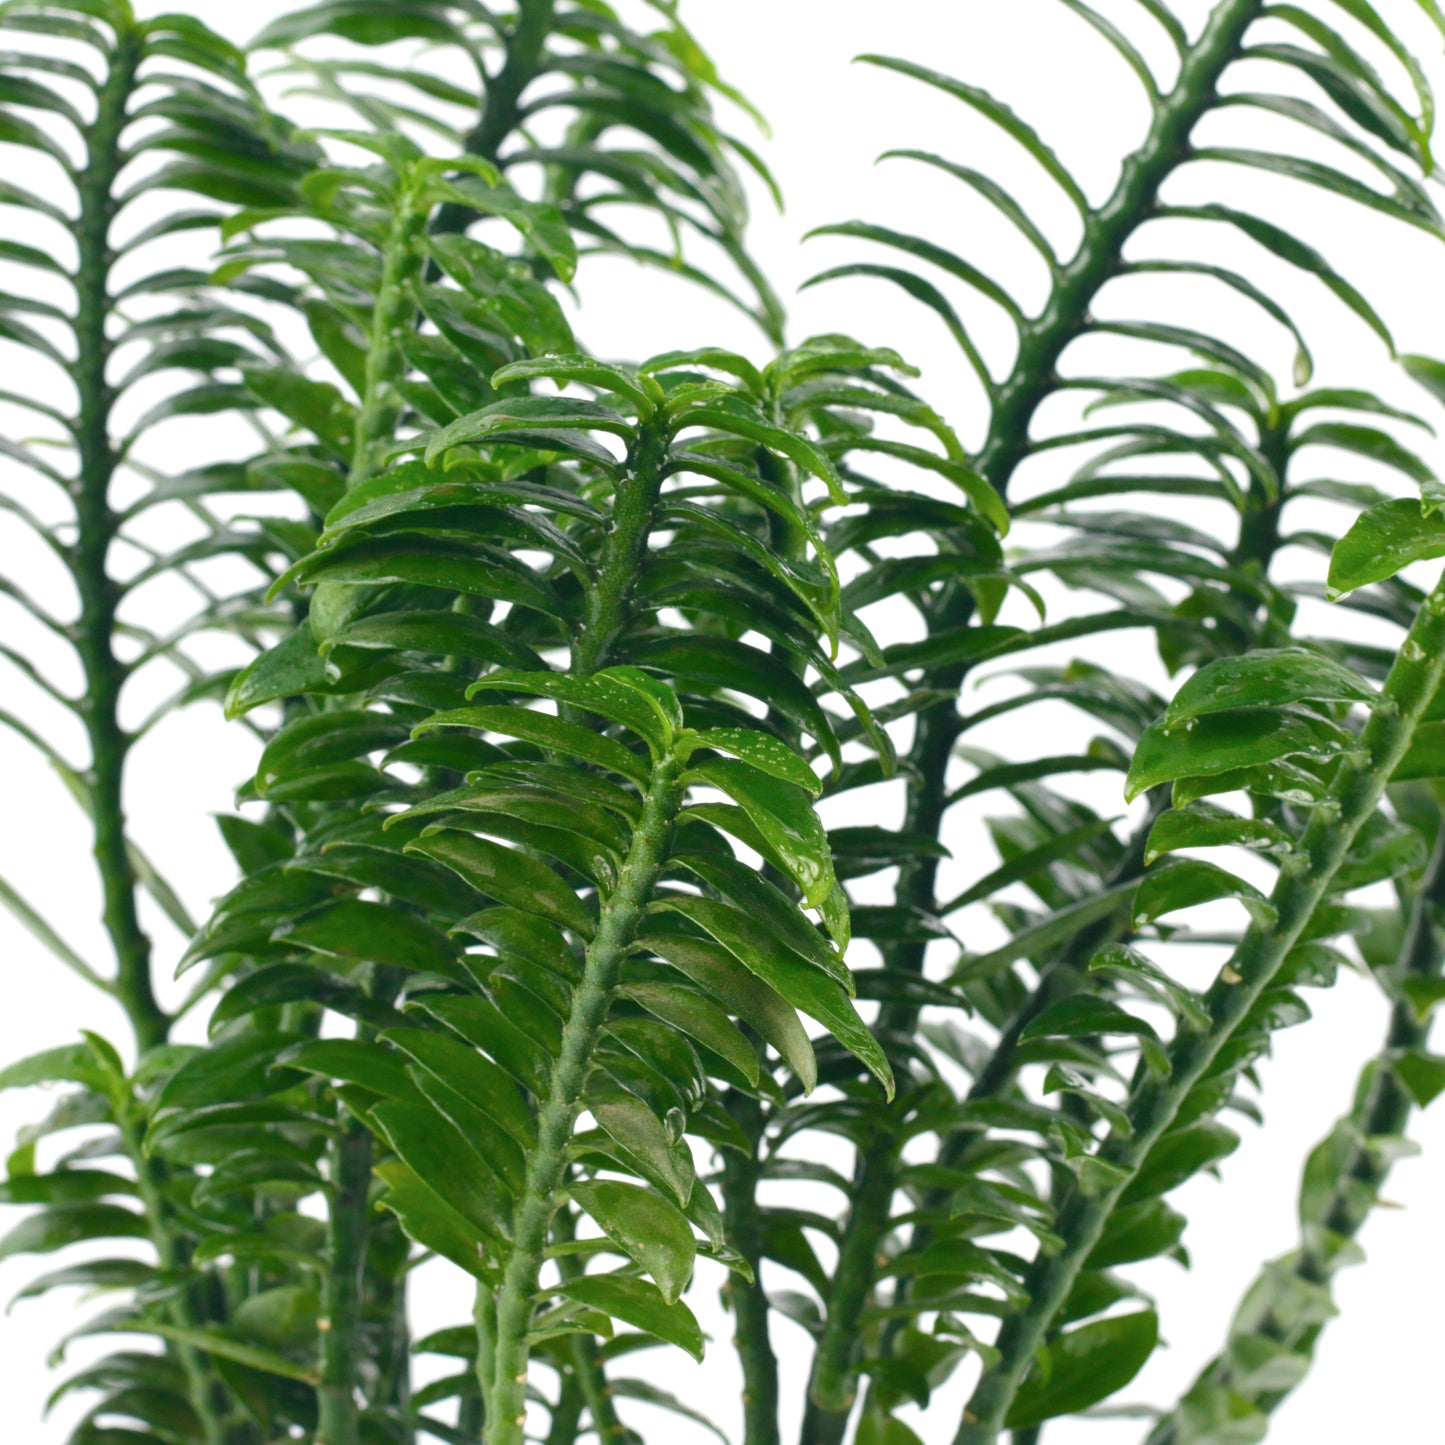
(743, 1225)
(609, 598)
(501, 105)
(393, 319)
(547, 1162)
(566, 1422)
(1303, 881)
(202, 1388)
(339, 1419)
(832, 1389)
(96, 527)
(1382, 1108)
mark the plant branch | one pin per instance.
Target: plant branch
(340, 1323)
(1381, 1110)
(547, 1162)
(96, 529)
(1303, 881)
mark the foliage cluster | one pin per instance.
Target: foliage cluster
(541, 961)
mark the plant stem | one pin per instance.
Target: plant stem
(202, 1388)
(96, 527)
(609, 598)
(547, 1162)
(1303, 881)
(1382, 1108)
(831, 1391)
(501, 104)
(567, 1416)
(393, 319)
(743, 1226)
(339, 1419)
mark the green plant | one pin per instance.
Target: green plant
(559, 664)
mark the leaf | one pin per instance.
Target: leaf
(508, 876)
(213, 1342)
(553, 733)
(802, 985)
(1085, 1366)
(1266, 677)
(655, 1233)
(67, 1224)
(1119, 958)
(718, 972)
(764, 752)
(435, 1151)
(649, 1146)
(375, 932)
(1389, 536)
(1225, 742)
(1422, 1073)
(291, 667)
(474, 1076)
(1205, 825)
(1187, 882)
(700, 1020)
(600, 694)
(637, 1303)
(783, 815)
(1081, 1016)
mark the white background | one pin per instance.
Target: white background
(1375, 1373)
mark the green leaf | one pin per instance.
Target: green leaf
(1205, 825)
(471, 1074)
(374, 932)
(783, 815)
(67, 1224)
(552, 733)
(764, 752)
(1186, 882)
(213, 1342)
(1119, 958)
(802, 985)
(427, 1219)
(1422, 1073)
(655, 1233)
(1225, 742)
(717, 971)
(353, 1061)
(436, 1151)
(1085, 1366)
(508, 876)
(637, 1303)
(648, 1146)
(601, 694)
(1081, 1016)
(1266, 677)
(1388, 537)
(291, 667)
(698, 1019)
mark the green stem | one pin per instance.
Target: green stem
(96, 528)
(832, 1389)
(547, 1162)
(202, 1388)
(743, 1226)
(609, 598)
(1303, 881)
(1382, 1109)
(501, 105)
(339, 1420)
(1031, 381)
(393, 319)
(566, 1420)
